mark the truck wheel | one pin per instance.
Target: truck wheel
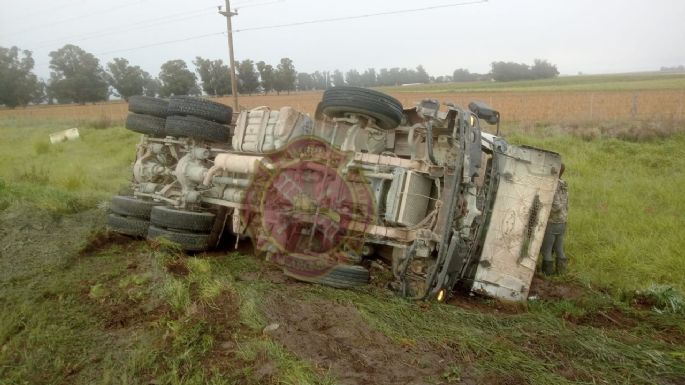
(196, 128)
(146, 124)
(384, 108)
(132, 207)
(167, 217)
(341, 276)
(132, 226)
(188, 241)
(202, 108)
(148, 106)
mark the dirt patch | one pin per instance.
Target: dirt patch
(125, 315)
(178, 268)
(612, 318)
(546, 289)
(335, 338)
(102, 239)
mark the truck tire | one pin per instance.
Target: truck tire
(201, 108)
(341, 276)
(132, 226)
(197, 128)
(146, 124)
(148, 106)
(167, 217)
(384, 108)
(188, 241)
(132, 207)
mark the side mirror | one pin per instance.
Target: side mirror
(485, 112)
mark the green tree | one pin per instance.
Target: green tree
(463, 75)
(248, 78)
(177, 79)
(286, 75)
(542, 69)
(320, 80)
(39, 94)
(369, 78)
(305, 82)
(266, 75)
(126, 79)
(510, 71)
(338, 79)
(353, 78)
(77, 76)
(152, 85)
(214, 75)
(17, 83)
(421, 75)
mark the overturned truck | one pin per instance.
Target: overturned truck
(422, 191)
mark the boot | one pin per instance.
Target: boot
(547, 267)
(561, 266)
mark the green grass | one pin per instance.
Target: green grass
(119, 316)
(626, 208)
(64, 177)
(623, 82)
(536, 345)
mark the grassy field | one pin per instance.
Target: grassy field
(84, 306)
(597, 83)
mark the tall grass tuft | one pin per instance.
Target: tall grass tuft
(34, 175)
(665, 299)
(41, 147)
(100, 122)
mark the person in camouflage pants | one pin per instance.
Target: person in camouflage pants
(556, 228)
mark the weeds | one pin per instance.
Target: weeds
(34, 175)
(41, 147)
(664, 299)
(100, 122)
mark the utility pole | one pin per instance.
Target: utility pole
(234, 84)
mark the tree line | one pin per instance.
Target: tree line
(78, 77)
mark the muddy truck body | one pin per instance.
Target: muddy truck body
(422, 191)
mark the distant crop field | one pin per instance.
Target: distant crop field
(559, 107)
(590, 83)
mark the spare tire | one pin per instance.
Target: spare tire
(197, 128)
(134, 227)
(188, 241)
(201, 221)
(146, 124)
(202, 108)
(132, 207)
(386, 110)
(148, 106)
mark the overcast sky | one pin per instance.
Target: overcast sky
(590, 36)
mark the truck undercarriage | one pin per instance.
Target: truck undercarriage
(424, 190)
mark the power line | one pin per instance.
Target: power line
(143, 24)
(44, 11)
(43, 26)
(162, 43)
(298, 24)
(250, 5)
(342, 18)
